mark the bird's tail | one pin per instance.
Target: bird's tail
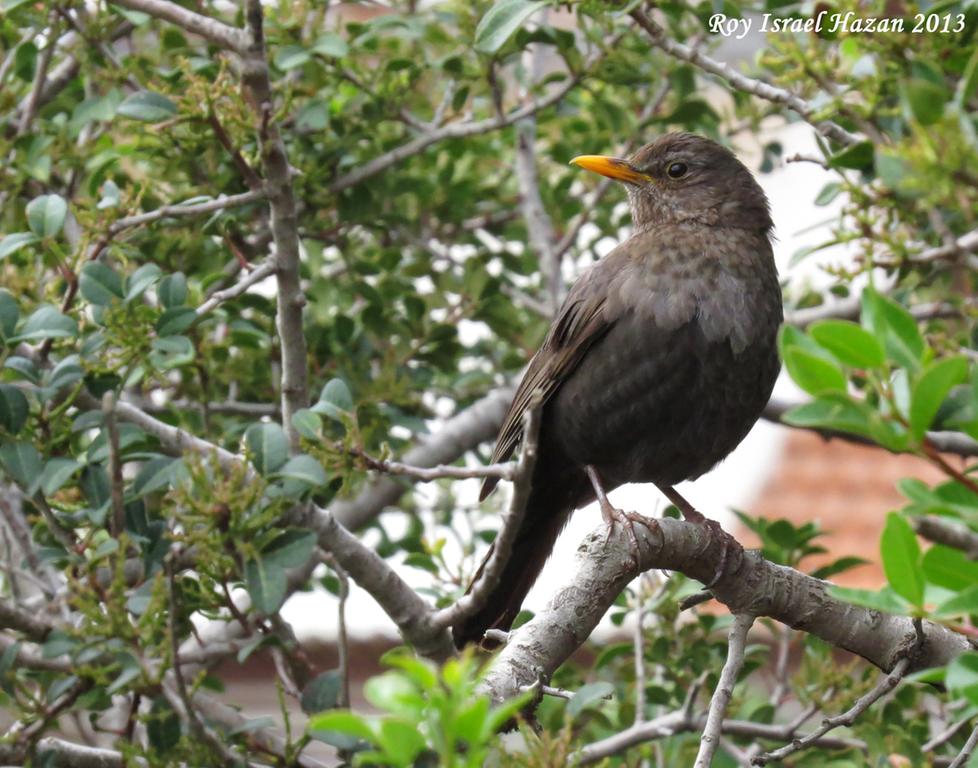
(547, 511)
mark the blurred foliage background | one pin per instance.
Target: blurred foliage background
(426, 288)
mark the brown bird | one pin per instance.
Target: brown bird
(660, 359)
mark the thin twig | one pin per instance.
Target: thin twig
(884, 685)
(961, 760)
(638, 645)
(40, 77)
(504, 471)
(117, 521)
(737, 643)
(468, 604)
(945, 736)
(741, 82)
(256, 275)
(453, 131)
(342, 640)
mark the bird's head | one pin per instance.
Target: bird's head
(682, 177)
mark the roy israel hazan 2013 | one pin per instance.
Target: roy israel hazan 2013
(825, 21)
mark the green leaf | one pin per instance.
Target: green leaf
(266, 583)
(175, 321)
(587, 696)
(829, 192)
(855, 156)
(156, 474)
(15, 241)
(901, 559)
(331, 44)
(335, 399)
(832, 412)
(965, 602)
(931, 390)
(341, 721)
(962, 676)
(401, 740)
(307, 423)
(265, 575)
(305, 469)
(46, 215)
(171, 352)
(141, 279)
(968, 82)
(851, 344)
(838, 566)
(501, 21)
(9, 313)
(393, 693)
(292, 548)
(815, 375)
(896, 326)
(923, 99)
(147, 106)
(885, 600)
(56, 473)
(949, 568)
(22, 463)
(46, 322)
(13, 408)
(268, 445)
(322, 692)
(99, 283)
(172, 290)
(291, 56)
(162, 726)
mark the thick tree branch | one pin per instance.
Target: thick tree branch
(741, 82)
(748, 584)
(285, 231)
(408, 610)
(948, 532)
(215, 31)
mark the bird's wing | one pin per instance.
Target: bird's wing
(580, 322)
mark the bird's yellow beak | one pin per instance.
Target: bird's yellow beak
(612, 167)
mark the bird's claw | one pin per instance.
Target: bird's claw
(614, 516)
(728, 544)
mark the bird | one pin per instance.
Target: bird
(658, 362)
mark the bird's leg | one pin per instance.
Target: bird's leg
(612, 514)
(728, 543)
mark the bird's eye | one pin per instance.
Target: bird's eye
(677, 170)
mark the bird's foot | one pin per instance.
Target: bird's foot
(727, 543)
(614, 516)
